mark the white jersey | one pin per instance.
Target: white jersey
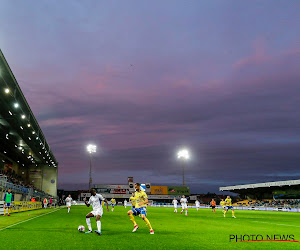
(69, 200)
(197, 204)
(175, 203)
(96, 201)
(183, 201)
(125, 202)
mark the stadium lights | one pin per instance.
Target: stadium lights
(183, 155)
(23, 117)
(10, 112)
(7, 91)
(28, 125)
(16, 105)
(7, 137)
(33, 132)
(21, 127)
(20, 148)
(4, 152)
(91, 149)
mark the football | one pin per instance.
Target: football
(81, 228)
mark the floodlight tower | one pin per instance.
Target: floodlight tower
(183, 155)
(91, 149)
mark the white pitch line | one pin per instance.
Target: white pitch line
(29, 219)
(276, 224)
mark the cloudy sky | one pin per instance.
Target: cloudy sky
(142, 79)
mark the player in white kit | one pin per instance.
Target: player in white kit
(183, 202)
(197, 203)
(96, 202)
(69, 202)
(125, 203)
(174, 202)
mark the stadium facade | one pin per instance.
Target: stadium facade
(289, 189)
(27, 163)
(123, 192)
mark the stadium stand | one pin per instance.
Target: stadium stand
(279, 194)
(27, 164)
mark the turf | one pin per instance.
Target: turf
(202, 229)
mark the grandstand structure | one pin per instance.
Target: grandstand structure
(289, 189)
(27, 164)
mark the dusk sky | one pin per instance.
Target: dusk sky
(141, 79)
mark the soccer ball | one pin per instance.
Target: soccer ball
(81, 228)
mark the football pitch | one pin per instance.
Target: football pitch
(56, 229)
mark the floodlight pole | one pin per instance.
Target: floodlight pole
(90, 180)
(183, 179)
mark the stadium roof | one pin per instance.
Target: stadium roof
(261, 185)
(20, 134)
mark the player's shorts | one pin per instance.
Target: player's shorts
(184, 206)
(7, 204)
(133, 207)
(224, 207)
(112, 205)
(68, 204)
(229, 207)
(197, 206)
(140, 210)
(213, 207)
(175, 206)
(97, 212)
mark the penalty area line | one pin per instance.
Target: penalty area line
(29, 219)
(276, 224)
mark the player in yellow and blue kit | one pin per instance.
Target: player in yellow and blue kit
(229, 206)
(112, 203)
(140, 208)
(223, 205)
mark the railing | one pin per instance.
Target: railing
(19, 188)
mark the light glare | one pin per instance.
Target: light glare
(91, 148)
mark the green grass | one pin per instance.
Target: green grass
(202, 229)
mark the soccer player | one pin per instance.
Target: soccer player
(69, 202)
(229, 206)
(95, 200)
(8, 199)
(132, 200)
(140, 208)
(174, 202)
(213, 206)
(223, 205)
(45, 203)
(197, 203)
(112, 203)
(183, 202)
(125, 203)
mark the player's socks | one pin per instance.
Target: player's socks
(181, 211)
(132, 219)
(99, 225)
(88, 222)
(233, 214)
(151, 231)
(68, 210)
(4, 211)
(185, 212)
(148, 223)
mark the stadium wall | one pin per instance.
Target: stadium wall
(44, 177)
